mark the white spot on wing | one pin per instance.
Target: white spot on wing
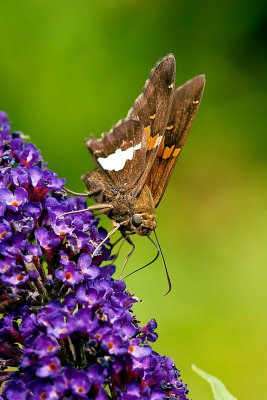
(117, 160)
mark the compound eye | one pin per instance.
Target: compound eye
(136, 220)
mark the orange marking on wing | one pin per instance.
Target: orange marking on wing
(169, 128)
(167, 152)
(152, 116)
(176, 152)
(147, 130)
(161, 148)
(153, 142)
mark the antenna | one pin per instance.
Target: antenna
(165, 266)
(159, 251)
(151, 262)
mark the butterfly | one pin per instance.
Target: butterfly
(136, 157)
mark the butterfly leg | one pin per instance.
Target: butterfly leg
(75, 193)
(117, 226)
(115, 256)
(103, 208)
(116, 242)
(128, 255)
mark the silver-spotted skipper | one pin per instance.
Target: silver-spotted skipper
(136, 158)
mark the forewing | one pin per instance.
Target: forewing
(185, 104)
(152, 109)
(121, 153)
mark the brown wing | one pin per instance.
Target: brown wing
(152, 109)
(128, 151)
(185, 104)
(121, 153)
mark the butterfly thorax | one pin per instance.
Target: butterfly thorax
(140, 215)
(135, 214)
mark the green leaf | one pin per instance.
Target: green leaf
(219, 390)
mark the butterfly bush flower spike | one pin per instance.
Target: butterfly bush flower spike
(67, 328)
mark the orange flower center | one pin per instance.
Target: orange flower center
(52, 366)
(110, 345)
(68, 275)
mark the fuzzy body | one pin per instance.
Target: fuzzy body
(124, 203)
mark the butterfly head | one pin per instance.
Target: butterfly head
(143, 224)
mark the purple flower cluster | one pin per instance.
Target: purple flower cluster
(67, 329)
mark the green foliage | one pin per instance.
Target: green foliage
(218, 388)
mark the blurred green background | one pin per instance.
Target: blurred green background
(69, 68)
